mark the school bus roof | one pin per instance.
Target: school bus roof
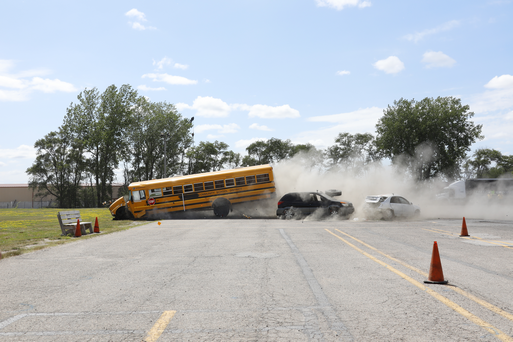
(198, 176)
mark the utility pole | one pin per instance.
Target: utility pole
(165, 136)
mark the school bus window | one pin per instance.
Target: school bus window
(229, 182)
(168, 191)
(155, 192)
(240, 181)
(263, 178)
(250, 180)
(219, 184)
(142, 194)
(187, 188)
(177, 189)
(135, 196)
(209, 185)
(198, 186)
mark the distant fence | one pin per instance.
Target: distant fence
(26, 204)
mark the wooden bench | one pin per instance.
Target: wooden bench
(68, 222)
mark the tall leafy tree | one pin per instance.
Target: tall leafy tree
(490, 163)
(208, 156)
(58, 168)
(353, 153)
(430, 137)
(103, 120)
(157, 126)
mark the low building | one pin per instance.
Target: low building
(22, 196)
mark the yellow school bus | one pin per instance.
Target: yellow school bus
(218, 191)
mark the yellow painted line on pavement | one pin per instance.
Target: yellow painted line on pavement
(478, 300)
(492, 242)
(473, 318)
(159, 326)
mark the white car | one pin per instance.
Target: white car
(389, 206)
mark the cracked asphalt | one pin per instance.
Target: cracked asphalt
(265, 280)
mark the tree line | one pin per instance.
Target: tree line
(121, 130)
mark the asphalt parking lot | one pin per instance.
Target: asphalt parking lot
(266, 280)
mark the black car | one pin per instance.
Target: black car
(298, 204)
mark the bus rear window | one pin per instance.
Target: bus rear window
(262, 178)
(209, 185)
(187, 188)
(240, 181)
(177, 189)
(219, 184)
(229, 182)
(198, 186)
(250, 180)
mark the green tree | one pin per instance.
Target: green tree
(58, 169)
(430, 137)
(208, 156)
(155, 126)
(354, 153)
(103, 120)
(490, 163)
(270, 151)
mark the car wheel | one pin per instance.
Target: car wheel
(333, 211)
(289, 214)
(388, 215)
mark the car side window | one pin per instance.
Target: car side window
(394, 200)
(403, 200)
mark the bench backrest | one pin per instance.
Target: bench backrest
(69, 217)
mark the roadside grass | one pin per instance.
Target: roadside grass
(24, 230)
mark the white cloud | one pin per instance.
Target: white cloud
(269, 112)
(134, 13)
(500, 82)
(343, 72)
(498, 99)
(242, 144)
(160, 64)
(211, 107)
(437, 60)
(51, 86)
(21, 152)
(230, 128)
(390, 65)
(146, 88)
(417, 36)
(139, 17)
(26, 82)
(181, 66)
(359, 121)
(340, 4)
(169, 79)
(208, 107)
(213, 136)
(260, 127)
(141, 27)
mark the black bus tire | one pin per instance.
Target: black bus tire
(221, 207)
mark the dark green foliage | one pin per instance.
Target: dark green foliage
(429, 137)
(353, 153)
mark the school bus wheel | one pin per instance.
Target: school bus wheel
(221, 207)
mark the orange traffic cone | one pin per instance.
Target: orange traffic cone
(159, 223)
(436, 275)
(464, 231)
(96, 226)
(78, 230)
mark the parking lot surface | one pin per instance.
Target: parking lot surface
(266, 280)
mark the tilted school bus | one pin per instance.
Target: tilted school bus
(218, 190)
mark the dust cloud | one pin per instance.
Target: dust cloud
(295, 175)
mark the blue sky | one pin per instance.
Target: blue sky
(303, 70)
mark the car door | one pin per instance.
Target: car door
(396, 206)
(407, 207)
